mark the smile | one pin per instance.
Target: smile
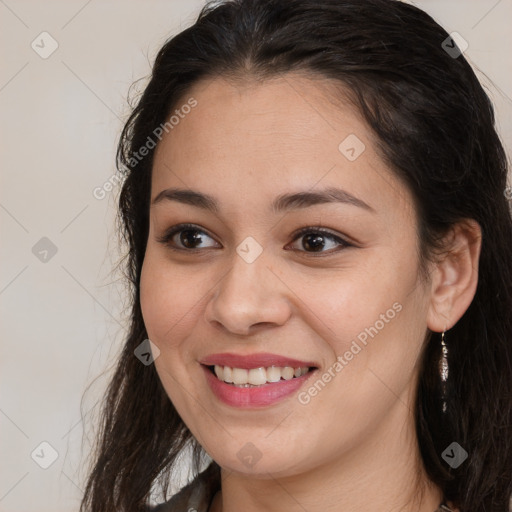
(242, 394)
(241, 377)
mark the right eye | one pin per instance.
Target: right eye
(189, 236)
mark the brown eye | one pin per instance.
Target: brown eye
(184, 237)
(314, 240)
(187, 237)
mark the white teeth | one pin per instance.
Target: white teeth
(228, 374)
(287, 373)
(219, 371)
(273, 374)
(257, 376)
(240, 376)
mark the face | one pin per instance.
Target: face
(343, 297)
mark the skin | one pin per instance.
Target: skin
(353, 446)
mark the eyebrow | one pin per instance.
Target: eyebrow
(283, 202)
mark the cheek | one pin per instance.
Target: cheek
(153, 299)
(167, 300)
(375, 318)
(355, 299)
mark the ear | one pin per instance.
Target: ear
(455, 276)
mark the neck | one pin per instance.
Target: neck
(385, 473)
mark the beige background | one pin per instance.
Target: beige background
(62, 320)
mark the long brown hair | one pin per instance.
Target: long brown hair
(435, 128)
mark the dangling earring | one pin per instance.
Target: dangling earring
(443, 369)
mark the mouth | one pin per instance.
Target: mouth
(257, 377)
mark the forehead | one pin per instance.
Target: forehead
(250, 140)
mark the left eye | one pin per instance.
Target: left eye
(190, 235)
(313, 238)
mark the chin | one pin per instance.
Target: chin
(258, 465)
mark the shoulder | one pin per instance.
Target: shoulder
(196, 496)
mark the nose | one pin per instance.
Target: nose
(249, 297)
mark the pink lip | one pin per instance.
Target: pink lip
(253, 361)
(260, 396)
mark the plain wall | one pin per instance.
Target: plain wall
(62, 316)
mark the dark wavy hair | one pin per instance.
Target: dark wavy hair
(434, 126)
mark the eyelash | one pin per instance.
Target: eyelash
(169, 234)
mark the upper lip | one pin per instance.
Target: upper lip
(253, 360)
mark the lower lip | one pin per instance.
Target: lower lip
(260, 396)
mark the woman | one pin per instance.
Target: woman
(319, 251)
